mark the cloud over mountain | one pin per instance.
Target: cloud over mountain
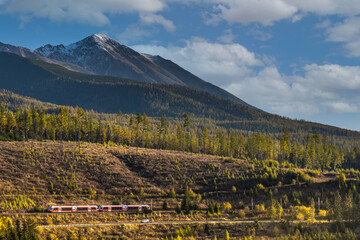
(93, 12)
(267, 12)
(219, 63)
(327, 88)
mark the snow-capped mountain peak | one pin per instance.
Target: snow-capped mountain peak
(48, 49)
(89, 43)
(100, 38)
(104, 42)
(102, 55)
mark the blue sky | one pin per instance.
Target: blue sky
(296, 58)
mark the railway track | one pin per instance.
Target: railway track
(179, 222)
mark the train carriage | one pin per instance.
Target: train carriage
(123, 208)
(85, 208)
(102, 208)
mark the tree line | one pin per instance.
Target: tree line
(315, 151)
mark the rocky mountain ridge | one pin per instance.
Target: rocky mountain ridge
(101, 55)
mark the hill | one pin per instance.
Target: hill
(57, 169)
(62, 168)
(37, 174)
(14, 101)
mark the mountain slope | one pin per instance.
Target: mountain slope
(193, 81)
(27, 53)
(102, 55)
(52, 83)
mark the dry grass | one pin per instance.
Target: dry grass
(50, 173)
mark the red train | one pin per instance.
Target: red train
(102, 208)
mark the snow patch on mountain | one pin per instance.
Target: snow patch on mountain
(99, 54)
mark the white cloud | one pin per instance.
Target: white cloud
(341, 107)
(267, 12)
(150, 18)
(132, 33)
(332, 77)
(263, 11)
(347, 32)
(297, 17)
(328, 7)
(320, 89)
(218, 63)
(84, 11)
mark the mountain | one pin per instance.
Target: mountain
(21, 51)
(55, 84)
(27, 53)
(102, 55)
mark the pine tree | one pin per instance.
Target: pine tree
(11, 122)
(227, 235)
(2, 118)
(186, 120)
(131, 120)
(337, 207)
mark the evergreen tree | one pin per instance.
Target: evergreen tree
(186, 120)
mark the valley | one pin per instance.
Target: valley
(37, 174)
(96, 123)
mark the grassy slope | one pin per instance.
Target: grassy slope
(116, 170)
(136, 175)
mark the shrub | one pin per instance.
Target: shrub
(260, 208)
(165, 205)
(260, 186)
(322, 213)
(275, 231)
(226, 207)
(275, 210)
(341, 178)
(37, 208)
(271, 163)
(241, 213)
(177, 209)
(303, 212)
(172, 193)
(18, 202)
(227, 235)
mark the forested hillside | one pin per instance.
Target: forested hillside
(314, 151)
(180, 186)
(54, 84)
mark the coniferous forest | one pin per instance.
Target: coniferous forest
(314, 151)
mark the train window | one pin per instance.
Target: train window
(133, 208)
(93, 208)
(116, 209)
(82, 208)
(56, 209)
(66, 209)
(105, 208)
